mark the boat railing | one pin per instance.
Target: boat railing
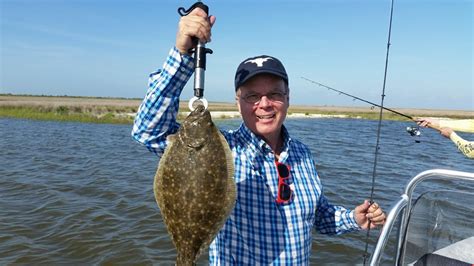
(403, 207)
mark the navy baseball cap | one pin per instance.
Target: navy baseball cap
(253, 66)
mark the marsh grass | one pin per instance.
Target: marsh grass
(125, 115)
(68, 113)
(122, 110)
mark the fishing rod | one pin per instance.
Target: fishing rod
(360, 99)
(413, 131)
(378, 131)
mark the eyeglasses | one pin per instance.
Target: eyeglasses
(284, 190)
(255, 98)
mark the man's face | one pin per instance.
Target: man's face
(263, 103)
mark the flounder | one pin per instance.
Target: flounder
(193, 185)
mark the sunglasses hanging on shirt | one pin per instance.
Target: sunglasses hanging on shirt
(284, 190)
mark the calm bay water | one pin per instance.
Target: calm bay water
(74, 193)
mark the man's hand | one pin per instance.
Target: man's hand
(369, 212)
(195, 24)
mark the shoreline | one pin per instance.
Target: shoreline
(122, 110)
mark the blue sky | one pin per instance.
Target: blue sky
(108, 48)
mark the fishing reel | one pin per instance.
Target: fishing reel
(414, 132)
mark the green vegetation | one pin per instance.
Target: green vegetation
(125, 114)
(67, 96)
(366, 115)
(109, 115)
(122, 110)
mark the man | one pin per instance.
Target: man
(279, 194)
(447, 127)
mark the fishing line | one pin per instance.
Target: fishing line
(379, 129)
(413, 131)
(360, 99)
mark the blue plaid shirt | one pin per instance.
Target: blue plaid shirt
(258, 231)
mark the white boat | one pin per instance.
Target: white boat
(435, 229)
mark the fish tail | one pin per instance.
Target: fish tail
(183, 260)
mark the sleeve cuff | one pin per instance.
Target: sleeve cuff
(352, 220)
(186, 61)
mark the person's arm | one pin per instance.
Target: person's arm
(156, 116)
(331, 219)
(466, 147)
(463, 125)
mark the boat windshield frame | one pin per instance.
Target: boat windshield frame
(403, 207)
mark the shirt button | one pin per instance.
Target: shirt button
(182, 69)
(290, 226)
(293, 254)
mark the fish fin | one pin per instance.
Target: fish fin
(231, 194)
(158, 180)
(231, 187)
(171, 138)
(228, 156)
(157, 183)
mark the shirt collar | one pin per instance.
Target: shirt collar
(257, 145)
(286, 144)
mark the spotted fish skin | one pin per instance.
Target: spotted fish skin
(194, 185)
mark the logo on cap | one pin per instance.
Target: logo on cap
(259, 61)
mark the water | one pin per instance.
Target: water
(75, 193)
